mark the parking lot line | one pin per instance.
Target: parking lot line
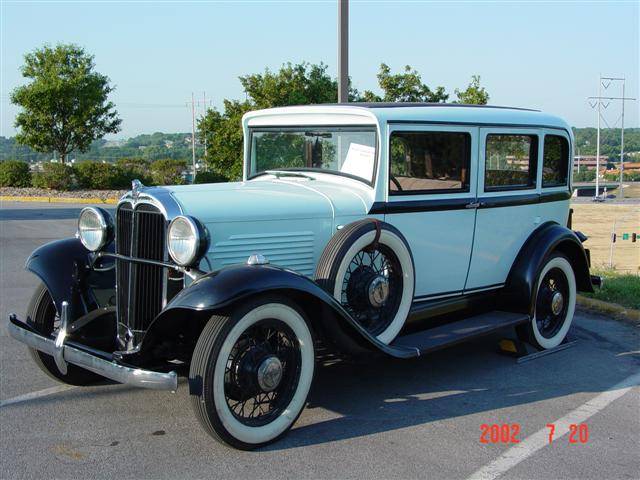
(530, 445)
(33, 395)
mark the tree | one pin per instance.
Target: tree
(299, 84)
(474, 94)
(65, 106)
(403, 87)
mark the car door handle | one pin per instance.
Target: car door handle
(473, 205)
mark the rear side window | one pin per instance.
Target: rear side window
(429, 162)
(555, 164)
(510, 162)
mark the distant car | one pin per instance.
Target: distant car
(363, 228)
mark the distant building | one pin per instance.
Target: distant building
(589, 162)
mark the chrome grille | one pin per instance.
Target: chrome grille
(140, 233)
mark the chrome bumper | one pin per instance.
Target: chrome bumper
(95, 361)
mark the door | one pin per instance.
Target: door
(508, 197)
(432, 182)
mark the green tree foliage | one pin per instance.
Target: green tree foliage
(586, 142)
(474, 94)
(584, 176)
(64, 105)
(168, 171)
(98, 176)
(406, 86)
(55, 176)
(135, 168)
(301, 84)
(291, 85)
(14, 174)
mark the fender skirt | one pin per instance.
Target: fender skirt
(218, 292)
(521, 287)
(67, 270)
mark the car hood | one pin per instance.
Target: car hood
(266, 199)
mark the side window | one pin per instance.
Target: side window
(555, 163)
(429, 162)
(510, 162)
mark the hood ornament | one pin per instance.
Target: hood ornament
(136, 187)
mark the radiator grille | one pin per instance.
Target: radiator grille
(140, 233)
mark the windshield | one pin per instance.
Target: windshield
(348, 151)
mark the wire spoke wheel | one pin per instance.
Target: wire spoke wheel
(552, 304)
(262, 372)
(372, 287)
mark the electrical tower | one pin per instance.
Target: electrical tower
(598, 103)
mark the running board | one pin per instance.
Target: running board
(456, 332)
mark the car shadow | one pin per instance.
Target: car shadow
(386, 395)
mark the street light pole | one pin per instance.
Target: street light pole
(343, 51)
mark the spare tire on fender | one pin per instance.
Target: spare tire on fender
(367, 266)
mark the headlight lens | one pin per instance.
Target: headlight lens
(186, 240)
(94, 228)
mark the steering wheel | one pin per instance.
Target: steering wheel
(395, 181)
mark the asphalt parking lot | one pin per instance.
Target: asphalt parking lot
(386, 419)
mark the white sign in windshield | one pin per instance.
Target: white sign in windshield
(359, 161)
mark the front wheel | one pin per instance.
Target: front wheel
(251, 372)
(555, 304)
(43, 317)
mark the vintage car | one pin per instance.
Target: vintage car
(361, 229)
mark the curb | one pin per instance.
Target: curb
(628, 315)
(110, 201)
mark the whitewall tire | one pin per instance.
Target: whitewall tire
(555, 303)
(251, 372)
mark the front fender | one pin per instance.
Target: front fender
(521, 286)
(220, 291)
(65, 267)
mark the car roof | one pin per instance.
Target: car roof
(407, 112)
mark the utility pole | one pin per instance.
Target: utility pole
(598, 103)
(620, 189)
(343, 51)
(193, 136)
(598, 140)
(204, 114)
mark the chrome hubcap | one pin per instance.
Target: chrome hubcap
(378, 291)
(557, 303)
(270, 374)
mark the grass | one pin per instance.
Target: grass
(620, 288)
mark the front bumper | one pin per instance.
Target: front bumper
(96, 361)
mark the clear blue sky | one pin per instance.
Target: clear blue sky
(545, 55)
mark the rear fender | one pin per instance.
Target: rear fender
(521, 287)
(68, 271)
(219, 292)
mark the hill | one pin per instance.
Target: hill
(178, 146)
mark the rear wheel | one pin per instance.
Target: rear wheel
(555, 303)
(251, 372)
(42, 316)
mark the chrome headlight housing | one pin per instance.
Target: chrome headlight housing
(187, 240)
(95, 228)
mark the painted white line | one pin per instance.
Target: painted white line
(540, 439)
(33, 395)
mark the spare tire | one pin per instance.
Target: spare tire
(367, 267)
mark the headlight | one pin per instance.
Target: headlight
(186, 240)
(95, 228)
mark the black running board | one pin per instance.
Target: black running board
(456, 332)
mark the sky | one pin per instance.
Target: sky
(545, 55)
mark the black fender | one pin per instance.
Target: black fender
(68, 271)
(218, 292)
(521, 287)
